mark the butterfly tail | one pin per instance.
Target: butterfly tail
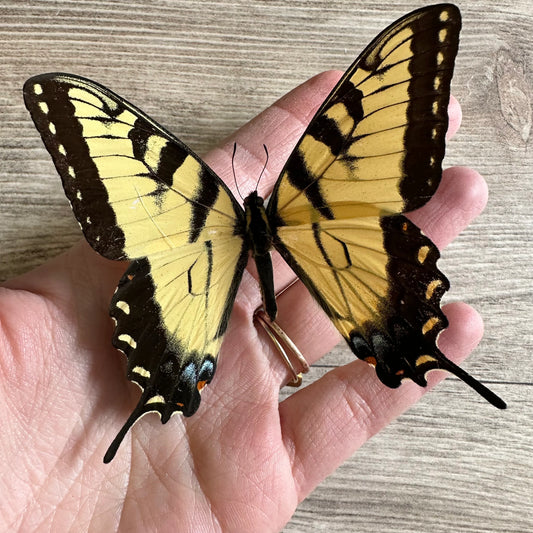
(137, 413)
(464, 376)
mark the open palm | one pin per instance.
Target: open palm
(244, 461)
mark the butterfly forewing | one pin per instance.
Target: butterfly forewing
(135, 189)
(376, 144)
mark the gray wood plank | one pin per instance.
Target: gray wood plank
(203, 68)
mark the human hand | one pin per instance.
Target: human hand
(244, 461)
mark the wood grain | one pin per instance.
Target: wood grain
(203, 68)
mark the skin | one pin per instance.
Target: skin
(244, 461)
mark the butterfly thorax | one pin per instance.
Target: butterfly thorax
(257, 227)
(259, 236)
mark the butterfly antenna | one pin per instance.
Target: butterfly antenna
(264, 167)
(233, 168)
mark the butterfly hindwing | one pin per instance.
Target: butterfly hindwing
(142, 195)
(374, 150)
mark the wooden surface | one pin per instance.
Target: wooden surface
(203, 68)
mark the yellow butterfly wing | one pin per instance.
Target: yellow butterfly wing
(140, 194)
(377, 142)
(373, 151)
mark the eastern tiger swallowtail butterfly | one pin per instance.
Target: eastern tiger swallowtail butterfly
(372, 152)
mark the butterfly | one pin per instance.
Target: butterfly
(372, 152)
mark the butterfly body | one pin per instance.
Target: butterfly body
(372, 152)
(259, 235)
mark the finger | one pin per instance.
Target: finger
(461, 197)
(278, 128)
(455, 116)
(77, 275)
(324, 423)
(313, 332)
